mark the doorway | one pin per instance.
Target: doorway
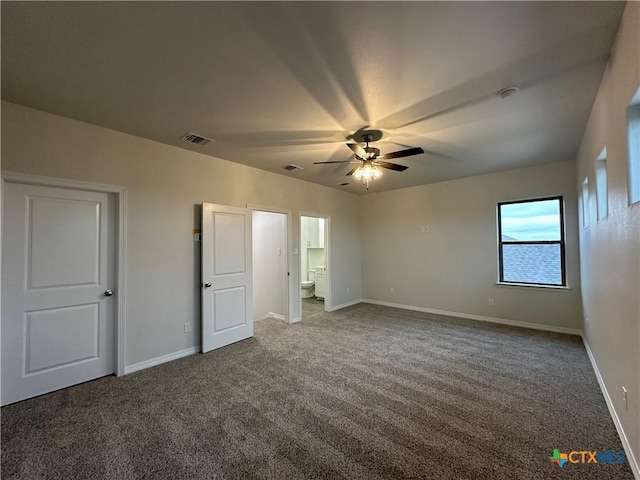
(270, 265)
(314, 285)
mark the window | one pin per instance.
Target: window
(602, 195)
(586, 211)
(531, 241)
(633, 132)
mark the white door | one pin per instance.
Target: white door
(57, 264)
(227, 298)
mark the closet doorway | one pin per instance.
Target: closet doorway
(270, 264)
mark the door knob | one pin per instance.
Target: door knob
(108, 293)
(207, 285)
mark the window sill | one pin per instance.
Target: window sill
(555, 288)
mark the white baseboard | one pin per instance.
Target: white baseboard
(345, 305)
(295, 320)
(275, 316)
(160, 360)
(502, 321)
(633, 463)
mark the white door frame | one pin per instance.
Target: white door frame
(120, 194)
(289, 279)
(328, 305)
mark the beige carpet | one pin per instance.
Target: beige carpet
(368, 392)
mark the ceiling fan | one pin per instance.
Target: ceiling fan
(369, 158)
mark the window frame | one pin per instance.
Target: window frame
(560, 242)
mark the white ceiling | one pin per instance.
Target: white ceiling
(280, 83)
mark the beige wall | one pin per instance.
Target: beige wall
(454, 266)
(165, 184)
(610, 248)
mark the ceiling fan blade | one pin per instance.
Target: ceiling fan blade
(358, 150)
(337, 161)
(353, 170)
(402, 153)
(391, 166)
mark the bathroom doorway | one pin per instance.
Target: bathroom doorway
(270, 265)
(314, 285)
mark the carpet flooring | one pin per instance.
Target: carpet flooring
(368, 392)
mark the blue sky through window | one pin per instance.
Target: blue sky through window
(531, 221)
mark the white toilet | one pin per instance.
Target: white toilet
(306, 290)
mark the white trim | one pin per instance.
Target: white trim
(262, 208)
(275, 316)
(121, 221)
(534, 286)
(160, 360)
(16, 177)
(633, 463)
(502, 321)
(121, 247)
(345, 305)
(295, 320)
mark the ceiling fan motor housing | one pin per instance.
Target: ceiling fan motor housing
(372, 152)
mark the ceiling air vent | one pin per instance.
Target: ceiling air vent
(195, 138)
(291, 166)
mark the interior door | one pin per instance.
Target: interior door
(57, 265)
(227, 297)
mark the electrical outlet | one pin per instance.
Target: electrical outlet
(424, 229)
(491, 302)
(187, 327)
(393, 291)
(348, 290)
(624, 397)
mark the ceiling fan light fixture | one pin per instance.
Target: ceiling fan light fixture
(367, 172)
(369, 160)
